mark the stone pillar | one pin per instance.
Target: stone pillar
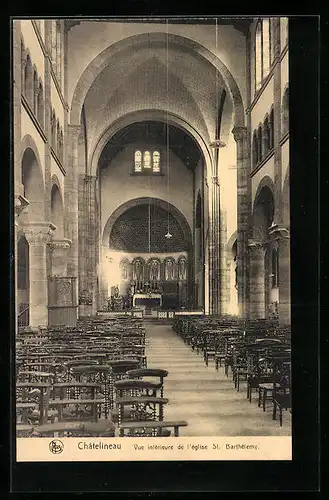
(88, 238)
(277, 126)
(71, 201)
(59, 250)
(214, 248)
(282, 235)
(224, 291)
(38, 235)
(257, 279)
(243, 209)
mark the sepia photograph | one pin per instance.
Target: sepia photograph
(152, 238)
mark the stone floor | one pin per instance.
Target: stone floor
(204, 397)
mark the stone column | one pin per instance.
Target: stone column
(214, 248)
(282, 235)
(38, 235)
(257, 279)
(59, 250)
(71, 201)
(277, 125)
(243, 209)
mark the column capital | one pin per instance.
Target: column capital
(59, 244)
(39, 232)
(74, 130)
(215, 180)
(256, 245)
(239, 133)
(279, 232)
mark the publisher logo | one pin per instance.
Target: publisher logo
(56, 446)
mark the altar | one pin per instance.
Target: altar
(149, 300)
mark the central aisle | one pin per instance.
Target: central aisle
(204, 397)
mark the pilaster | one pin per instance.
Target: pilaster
(257, 279)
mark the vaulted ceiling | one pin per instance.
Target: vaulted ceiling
(153, 78)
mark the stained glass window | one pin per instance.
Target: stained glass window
(138, 161)
(147, 159)
(156, 161)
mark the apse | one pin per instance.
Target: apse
(142, 229)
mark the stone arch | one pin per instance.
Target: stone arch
(263, 209)
(142, 201)
(231, 242)
(57, 207)
(32, 179)
(149, 115)
(136, 41)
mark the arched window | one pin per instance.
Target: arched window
(285, 112)
(255, 149)
(266, 47)
(258, 56)
(59, 52)
(35, 93)
(41, 110)
(271, 125)
(147, 160)
(58, 135)
(260, 143)
(60, 146)
(53, 131)
(28, 80)
(266, 136)
(275, 268)
(272, 38)
(138, 161)
(156, 161)
(54, 45)
(263, 42)
(23, 63)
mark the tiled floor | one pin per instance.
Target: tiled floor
(205, 398)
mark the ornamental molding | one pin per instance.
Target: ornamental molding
(21, 204)
(60, 244)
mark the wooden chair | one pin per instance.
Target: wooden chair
(140, 410)
(282, 387)
(157, 373)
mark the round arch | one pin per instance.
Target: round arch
(231, 242)
(265, 181)
(134, 42)
(32, 179)
(57, 207)
(141, 201)
(149, 115)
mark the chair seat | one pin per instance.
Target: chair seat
(268, 386)
(147, 424)
(100, 427)
(61, 402)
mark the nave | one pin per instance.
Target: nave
(206, 398)
(126, 377)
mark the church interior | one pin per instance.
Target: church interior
(152, 227)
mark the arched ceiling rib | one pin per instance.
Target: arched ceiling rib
(138, 80)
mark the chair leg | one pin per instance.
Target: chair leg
(274, 409)
(259, 396)
(264, 399)
(280, 416)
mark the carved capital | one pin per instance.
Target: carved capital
(239, 133)
(60, 244)
(256, 245)
(215, 180)
(39, 232)
(74, 131)
(279, 232)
